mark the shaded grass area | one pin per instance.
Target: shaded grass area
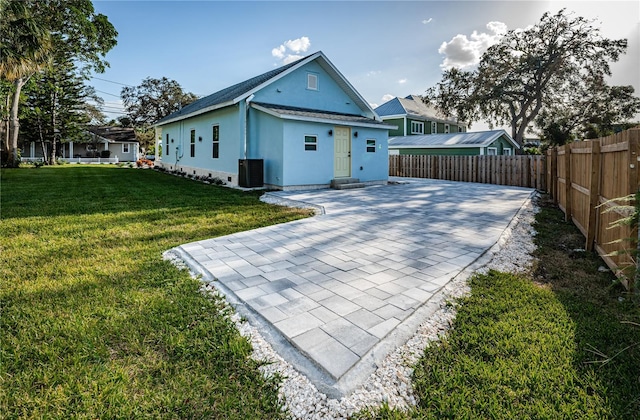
(94, 324)
(560, 343)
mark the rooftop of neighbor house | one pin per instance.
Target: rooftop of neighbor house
(473, 139)
(113, 133)
(413, 106)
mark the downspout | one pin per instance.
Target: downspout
(404, 125)
(247, 106)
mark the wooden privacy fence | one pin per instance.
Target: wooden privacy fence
(583, 177)
(519, 171)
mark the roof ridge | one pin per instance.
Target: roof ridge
(233, 91)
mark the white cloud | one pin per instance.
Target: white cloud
(373, 73)
(425, 21)
(387, 97)
(463, 52)
(402, 81)
(289, 51)
(372, 105)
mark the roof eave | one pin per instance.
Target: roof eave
(321, 120)
(195, 113)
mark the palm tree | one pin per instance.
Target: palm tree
(24, 48)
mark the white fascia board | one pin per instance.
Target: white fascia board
(275, 78)
(388, 117)
(441, 146)
(355, 93)
(195, 113)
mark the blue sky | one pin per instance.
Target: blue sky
(384, 48)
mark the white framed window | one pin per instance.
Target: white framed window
(417, 127)
(434, 127)
(192, 144)
(312, 81)
(492, 151)
(166, 146)
(371, 145)
(447, 128)
(215, 152)
(310, 143)
(125, 147)
(507, 151)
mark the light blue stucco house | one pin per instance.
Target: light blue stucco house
(298, 126)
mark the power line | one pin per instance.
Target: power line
(107, 93)
(111, 81)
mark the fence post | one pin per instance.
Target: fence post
(553, 175)
(567, 185)
(634, 185)
(594, 194)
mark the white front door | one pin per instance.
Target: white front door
(342, 152)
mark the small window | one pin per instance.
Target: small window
(492, 151)
(193, 143)
(216, 142)
(312, 81)
(310, 143)
(371, 146)
(434, 127)
(446, 128)
(125, 147)
(417, 127)
(507, 151)
(166, 147)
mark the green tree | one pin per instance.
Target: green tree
(57, 107)
(24, 48)
(152, 100)
(534, 71)
(56, 30)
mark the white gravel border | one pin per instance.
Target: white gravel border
(391, 382)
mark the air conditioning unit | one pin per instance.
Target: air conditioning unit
(251, 173)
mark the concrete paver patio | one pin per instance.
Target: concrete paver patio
(336, 292)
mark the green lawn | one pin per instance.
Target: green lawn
(94, 324)
(562, 343)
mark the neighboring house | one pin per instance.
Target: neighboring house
(494, 142)
(109, 144)
(300, 125)
(412, 116)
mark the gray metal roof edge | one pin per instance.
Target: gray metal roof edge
(273, 110)
(496, 134)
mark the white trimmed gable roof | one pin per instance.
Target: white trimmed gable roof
(453, 140)
(243, 90)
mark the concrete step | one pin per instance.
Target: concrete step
(349, 186)
(341, 181)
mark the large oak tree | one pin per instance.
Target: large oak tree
(151, 101)
(533, 76)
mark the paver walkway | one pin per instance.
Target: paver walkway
(328, 291)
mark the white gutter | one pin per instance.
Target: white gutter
(247, 106)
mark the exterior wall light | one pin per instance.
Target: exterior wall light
(330, 132)
(355, 134)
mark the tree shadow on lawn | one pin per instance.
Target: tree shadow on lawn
(102, 189)
(607, 345)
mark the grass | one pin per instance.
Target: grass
(560, 343)
(94, 324)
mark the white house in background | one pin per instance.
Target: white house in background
(302, 125)
(103, 143)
